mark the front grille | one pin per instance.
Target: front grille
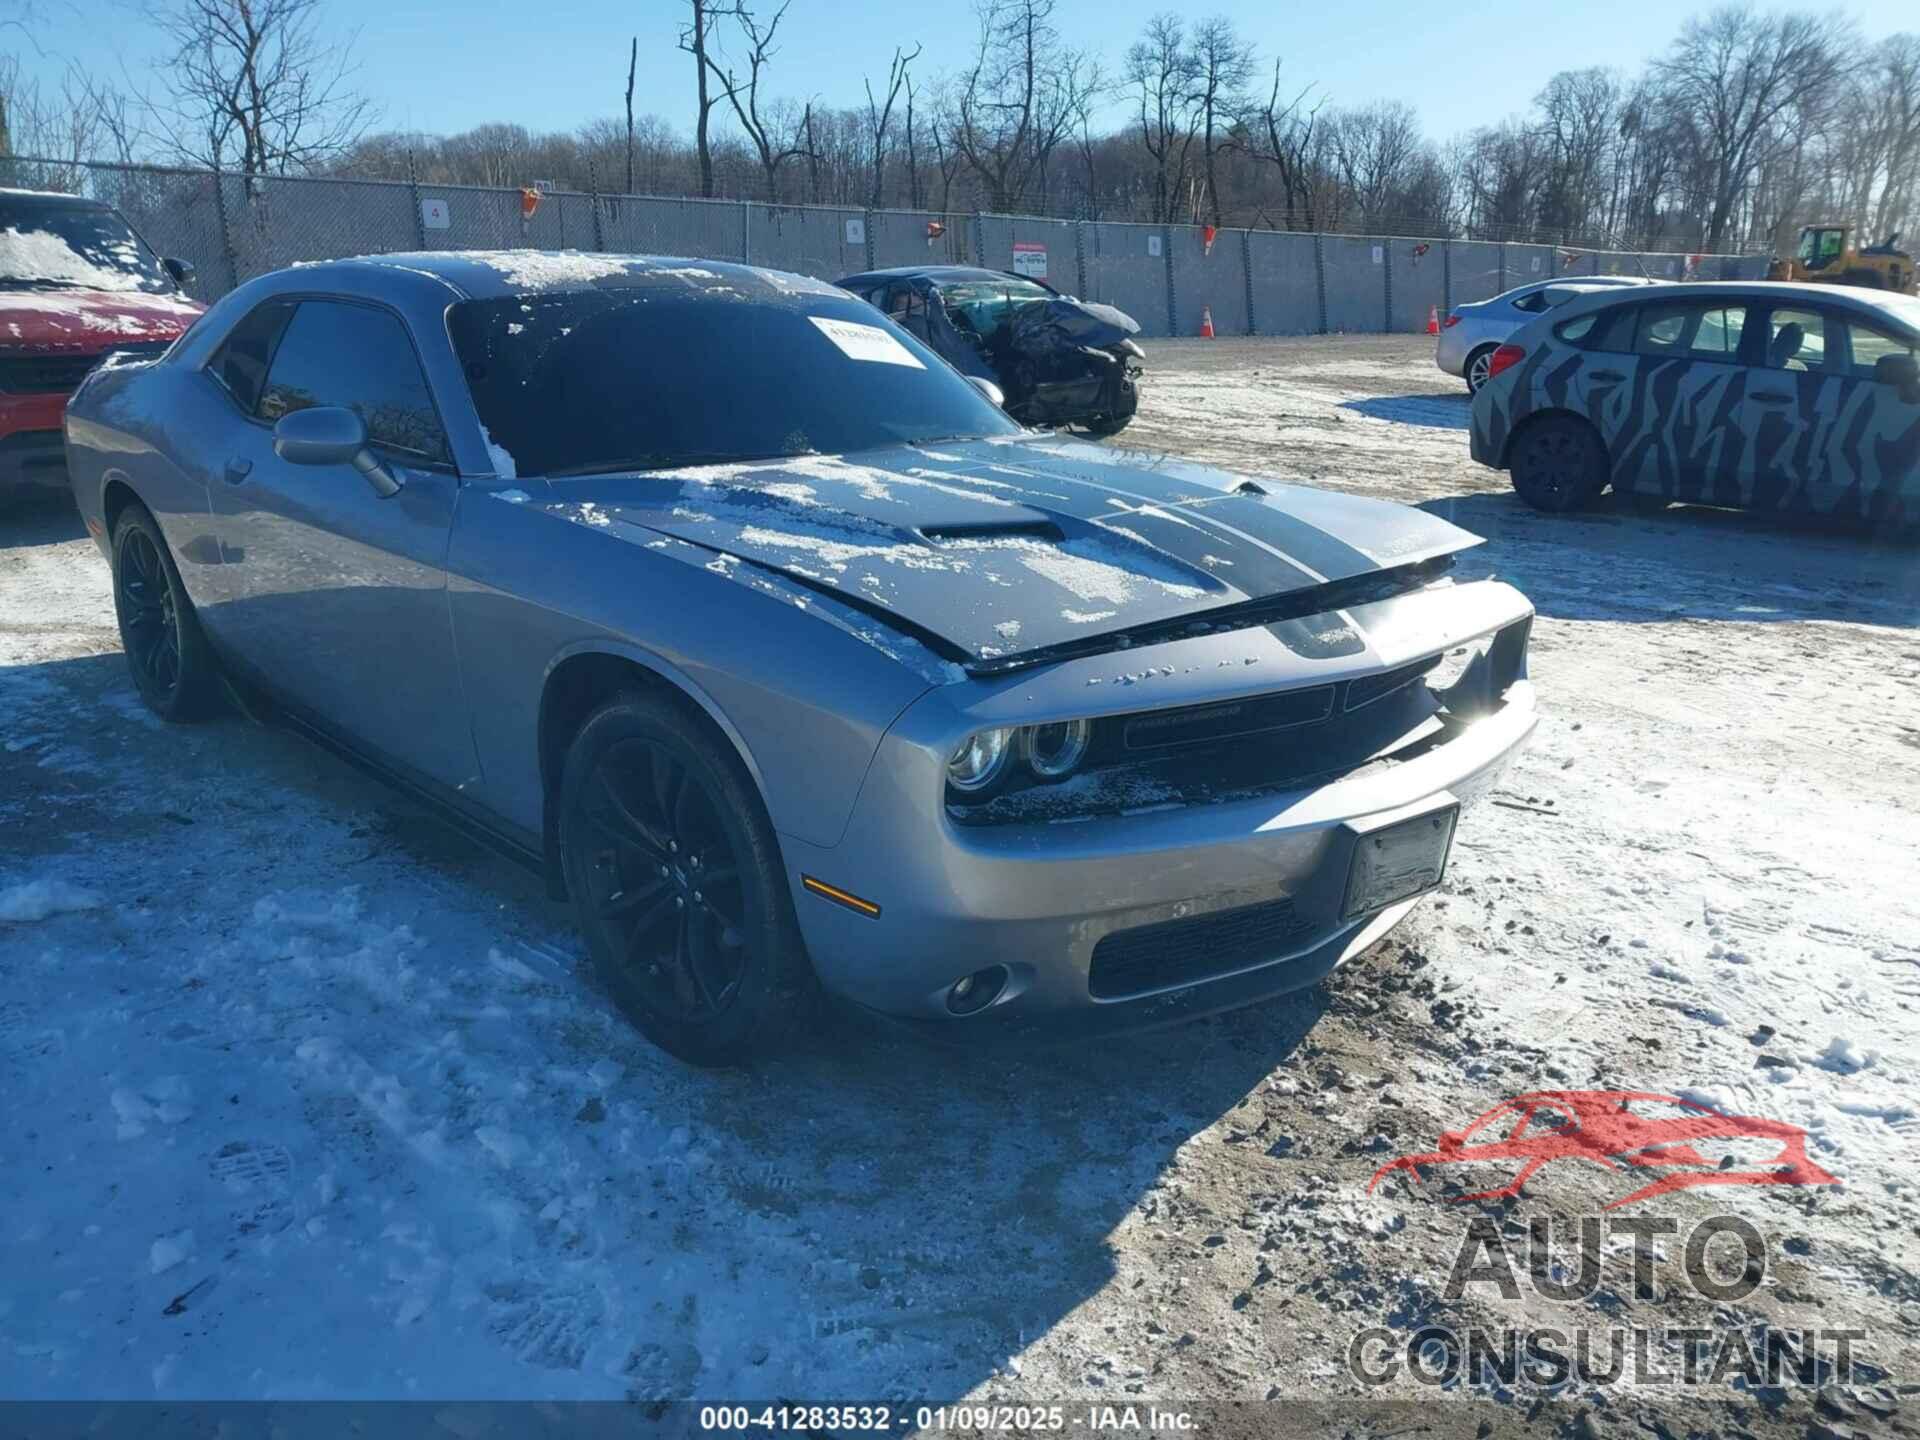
(44, 374)
(1195, 725)
(62, 374)
(1179, 952)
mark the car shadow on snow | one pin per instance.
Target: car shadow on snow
(38, 515)
(1432, 412)
(891, 1216)
(1613, 562)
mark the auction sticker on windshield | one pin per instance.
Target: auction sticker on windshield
(865, 342)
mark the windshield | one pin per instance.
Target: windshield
(80, 247)
(629, 378)
(983, 306)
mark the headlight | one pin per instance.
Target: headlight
(1054, 750)
(980, 759)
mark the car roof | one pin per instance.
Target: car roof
(1903, 309)
(931, 272)
(501, 274)
(49, 200)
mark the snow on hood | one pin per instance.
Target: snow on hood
(90, 320)
(1004, 547)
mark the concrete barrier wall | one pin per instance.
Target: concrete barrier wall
(1208, 282)
(1121, 271)
(1419, 274)
(1286, 283)
(807, 240)
(1356, 282)
(1166, 276)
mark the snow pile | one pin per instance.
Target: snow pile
(530, 270)
(503, 465)
(39, 899)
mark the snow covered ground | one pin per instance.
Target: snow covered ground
(303, 1095)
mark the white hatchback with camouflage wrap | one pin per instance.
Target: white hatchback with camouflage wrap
(1796, 398)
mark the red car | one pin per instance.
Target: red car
(1623, 1131)
(75, 283)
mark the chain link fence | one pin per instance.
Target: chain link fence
(1173, 279)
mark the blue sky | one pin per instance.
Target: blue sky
(444, 65)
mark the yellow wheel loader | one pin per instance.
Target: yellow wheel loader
(1825, 255)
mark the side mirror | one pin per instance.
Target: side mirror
(331, 435)
(987, 388)
(180, 270)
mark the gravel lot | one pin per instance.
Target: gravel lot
(303, 1094)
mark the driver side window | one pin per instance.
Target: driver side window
(334, 352)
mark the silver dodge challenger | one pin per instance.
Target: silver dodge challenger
(786, 655)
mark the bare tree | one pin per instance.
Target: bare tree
(1284, 136)
(695, 37)
(633, 61)
(1740, 76)
(1374, 146)
(252, 85)
(1223, 67)
(774, 142)
(879, 115)
(997, 125)
(1164, 77)
(913, 153)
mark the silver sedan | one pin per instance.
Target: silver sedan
(785, 655)
(1471, 333)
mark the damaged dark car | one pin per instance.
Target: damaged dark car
(1057, 360)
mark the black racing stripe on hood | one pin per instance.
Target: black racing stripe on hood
(1272, 610)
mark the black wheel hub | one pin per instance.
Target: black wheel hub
(149, 617)
(663, 881)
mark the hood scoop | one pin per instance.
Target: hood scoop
(1045, 531)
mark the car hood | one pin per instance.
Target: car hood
(1000, 549)
(87, 321)
(1086, 322)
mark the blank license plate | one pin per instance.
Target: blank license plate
(1397, 862)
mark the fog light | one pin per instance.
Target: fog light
(975, 992)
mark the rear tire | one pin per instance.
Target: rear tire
(171, 663)
(1558, 464)
(678, 885)
(1476, 368)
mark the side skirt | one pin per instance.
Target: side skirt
(258, 703)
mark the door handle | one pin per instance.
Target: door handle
(1612, 377)
(238, 470)
(1771, 397)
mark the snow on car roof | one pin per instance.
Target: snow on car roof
(492, 274)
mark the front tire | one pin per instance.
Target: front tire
(172, 665)
(1558, 464)
(677, 883)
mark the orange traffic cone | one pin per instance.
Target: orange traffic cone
(1433, 320)
(1206, 322)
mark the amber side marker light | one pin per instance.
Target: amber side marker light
(841, 897)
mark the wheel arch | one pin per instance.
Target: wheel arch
(115, 496)
(585, 676)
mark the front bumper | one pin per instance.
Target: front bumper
(1039, 898)
(32, 448)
